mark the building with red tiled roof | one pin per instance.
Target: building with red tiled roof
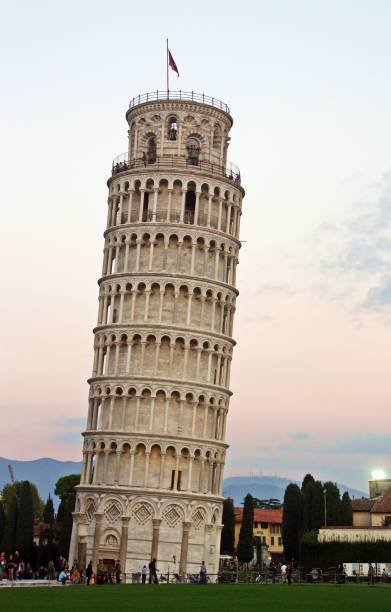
(372, 512)
(267, 526)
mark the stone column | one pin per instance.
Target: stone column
(73, 544)
(150, 261)
(117, 466)
(181, 220)
(186, 526)
(129, 356)
(161, 475)
(121, 306)
(208, 532)
(220, 213)
(169, 205)
(98, 527)
(126, 261)
(155, 537)
(197, 206)
(130, 206)
(209, 210)
(124, 543)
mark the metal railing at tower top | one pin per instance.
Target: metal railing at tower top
(174, 95)
(122, 163)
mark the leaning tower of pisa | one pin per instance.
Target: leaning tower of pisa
(154, 444)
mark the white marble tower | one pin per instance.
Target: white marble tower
(154, 445)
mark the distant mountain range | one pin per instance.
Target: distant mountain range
(45, 472)
(266, 487)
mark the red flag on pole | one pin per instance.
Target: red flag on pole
(171, 63)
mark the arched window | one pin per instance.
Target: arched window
(172, 128)
(111, 541)
(193, 151)
(217, 138)
(151, 155)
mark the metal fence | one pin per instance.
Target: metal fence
(121, 164)
(190, 96)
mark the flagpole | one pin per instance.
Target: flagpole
(168, 84)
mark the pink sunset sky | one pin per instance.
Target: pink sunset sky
(309, 89)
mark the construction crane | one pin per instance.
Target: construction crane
(11, 471)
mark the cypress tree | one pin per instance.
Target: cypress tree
(25, 522)
(228, 533)
(68, 507)
(65, 489)
(291, 521)
(48, 512)
(307, 498)
(346, 510)
(245, 549)
(11, 516)
(308, 479)
(333, 504)
(317, 510)
(2, 522)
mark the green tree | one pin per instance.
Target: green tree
(228, 533)
(11, 515)
(333, 503)
(267, 504)
(291, 521)
(15, 488)
(317, 509)
(2, 521)
(346, 510)
(245, 549)
(307, 499)
(48, 511)
(65, 489)
(65, 486)
(25, 522)
(308, 479)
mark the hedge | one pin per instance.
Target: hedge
(329, 554)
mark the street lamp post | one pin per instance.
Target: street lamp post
(325, 506)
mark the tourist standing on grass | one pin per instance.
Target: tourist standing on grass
(203, 573)
(273, 571)
(152, 572)
(2, 565)
(371, 575)
(144, 572)
(283, 572)
(117, 571)
(89, 572)
(289, 570)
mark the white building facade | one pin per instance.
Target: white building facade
(154, 445)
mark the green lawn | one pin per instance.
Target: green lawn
(268, 598)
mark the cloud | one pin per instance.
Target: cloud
(301, 435)
(68, 430)
(370, 444)
(354, 254)
(379, 297)
(278, 289)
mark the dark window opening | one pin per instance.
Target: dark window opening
(193, 151)
(145, 206)
(190, 207)
(151, 155)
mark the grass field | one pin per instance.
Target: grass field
(268, 598)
